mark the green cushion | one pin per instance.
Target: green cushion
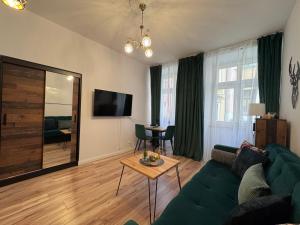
(64, 124)
(285, 182)
(253, 184)
(274, 149)
(283, 176)
(212, 190)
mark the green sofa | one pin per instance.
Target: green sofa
(211, 194)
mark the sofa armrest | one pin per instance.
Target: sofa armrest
(131, 222)
(226, 148)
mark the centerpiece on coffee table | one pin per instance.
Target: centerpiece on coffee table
(151, 159)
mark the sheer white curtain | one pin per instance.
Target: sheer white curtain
(231, 84)
(168, 94)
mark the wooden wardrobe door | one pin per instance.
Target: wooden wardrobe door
(75, 116)
(21, 120)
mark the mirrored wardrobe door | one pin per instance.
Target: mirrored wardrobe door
(58, 120)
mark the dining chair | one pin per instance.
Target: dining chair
(169, 135)
(140, 133)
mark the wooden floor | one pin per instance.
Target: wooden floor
(56, 154)
(85, 195)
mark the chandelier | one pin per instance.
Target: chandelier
(15, 4)
(145, 41)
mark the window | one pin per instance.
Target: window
(227, 74)
(231, 91)
(168, 94)
(225, 104)
(230, 85)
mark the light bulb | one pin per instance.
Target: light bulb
(15, 4)
(146, 41)
(70, 78)
(128, 48)
(148, 53)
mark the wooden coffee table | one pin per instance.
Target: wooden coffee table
(152, 173)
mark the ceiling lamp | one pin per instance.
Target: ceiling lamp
(15, 4)
(148, 53)
(70, 78)
(144, 43)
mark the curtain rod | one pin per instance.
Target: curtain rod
(242, 42)
(221, 48)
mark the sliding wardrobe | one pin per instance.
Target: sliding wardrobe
(40, 119)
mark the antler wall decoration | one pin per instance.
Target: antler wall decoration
(294, 78)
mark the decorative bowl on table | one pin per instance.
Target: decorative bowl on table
(152, 160)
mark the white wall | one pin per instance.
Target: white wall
(291, 49)
(26, 36)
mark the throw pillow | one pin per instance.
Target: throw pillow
(50, 124)
(226, 158)
(267, 210)
(253, 184)
(245, 159)
(64, 124)
(248, 145)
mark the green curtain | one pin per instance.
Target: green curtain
(189, 108)
(155, 74)
(269, 70)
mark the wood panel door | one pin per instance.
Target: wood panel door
(260, 133)
(75, 118)
(282, 131)
(22, 117)
(271, 131)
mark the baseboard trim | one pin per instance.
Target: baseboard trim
(89, 160)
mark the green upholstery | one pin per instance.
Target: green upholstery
(140, 132)
(226, 148)
(296, 204)
(213, 192)
(169, 133)
(283, 176)
(131, 222)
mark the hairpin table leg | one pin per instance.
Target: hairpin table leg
(120, 180)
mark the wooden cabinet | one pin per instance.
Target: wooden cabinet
(23, 124)
(271, 132)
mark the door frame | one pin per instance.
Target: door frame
(19, 62)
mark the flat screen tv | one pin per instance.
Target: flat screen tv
(108, 103)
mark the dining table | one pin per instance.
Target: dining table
(157, 129)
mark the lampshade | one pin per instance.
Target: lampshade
(257, 109)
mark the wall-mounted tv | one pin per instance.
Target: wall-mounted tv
(108, 103)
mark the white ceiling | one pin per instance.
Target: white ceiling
(178, 28)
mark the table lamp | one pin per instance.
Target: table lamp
(257, 109)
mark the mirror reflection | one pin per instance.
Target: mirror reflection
(57, 119)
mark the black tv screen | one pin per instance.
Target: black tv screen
(107, 103)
